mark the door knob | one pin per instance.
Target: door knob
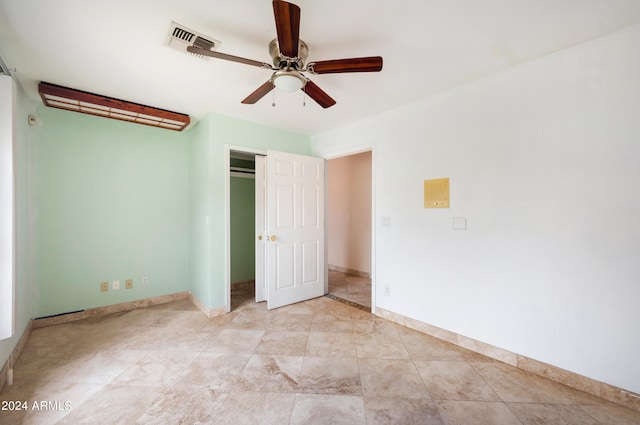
(272, 238)
(260, 237)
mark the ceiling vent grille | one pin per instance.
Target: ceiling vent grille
(181, 37)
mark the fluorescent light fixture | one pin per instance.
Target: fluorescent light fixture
(94, 104)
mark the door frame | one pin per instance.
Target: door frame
(339, 153)
(227, 195)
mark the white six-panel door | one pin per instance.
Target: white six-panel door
(295, 228)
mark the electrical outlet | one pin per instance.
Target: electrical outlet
(115, 285)
(128, 284)
(145, 281)
(104, 286)
(387, 291)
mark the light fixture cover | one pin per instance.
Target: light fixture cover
(288, 81)
(94, 104)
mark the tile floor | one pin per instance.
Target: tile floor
(350, 287)
(316, 362)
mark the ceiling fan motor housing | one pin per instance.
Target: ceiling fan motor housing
(280, 61)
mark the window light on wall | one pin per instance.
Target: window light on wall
(7, 207)
(89, 103)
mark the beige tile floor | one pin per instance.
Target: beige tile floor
(350, 287)
(316, 362)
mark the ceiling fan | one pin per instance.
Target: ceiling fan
(289, 54)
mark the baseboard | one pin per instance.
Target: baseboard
(15, 353)
(209, 312)
(349, 271)
(109, 309)
(591, 386)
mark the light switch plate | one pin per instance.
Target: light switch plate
(459, 223)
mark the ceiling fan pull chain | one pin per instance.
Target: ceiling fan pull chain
(304, 98)
(273, 102)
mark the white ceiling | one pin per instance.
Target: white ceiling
(115, 48)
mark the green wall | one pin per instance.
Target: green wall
(242, 221)
(200, 163)
(112, 204)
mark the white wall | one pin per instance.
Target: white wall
(544, 162)
(349, 212)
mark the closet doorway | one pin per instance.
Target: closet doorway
(242, 185)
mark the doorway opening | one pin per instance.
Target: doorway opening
(242, 271)
(349, 234)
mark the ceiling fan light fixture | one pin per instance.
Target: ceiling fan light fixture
(288, 81)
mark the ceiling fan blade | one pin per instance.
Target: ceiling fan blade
(367, 64)
(259, 93)
(317, 94)
(218, 55)
(287, 26)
